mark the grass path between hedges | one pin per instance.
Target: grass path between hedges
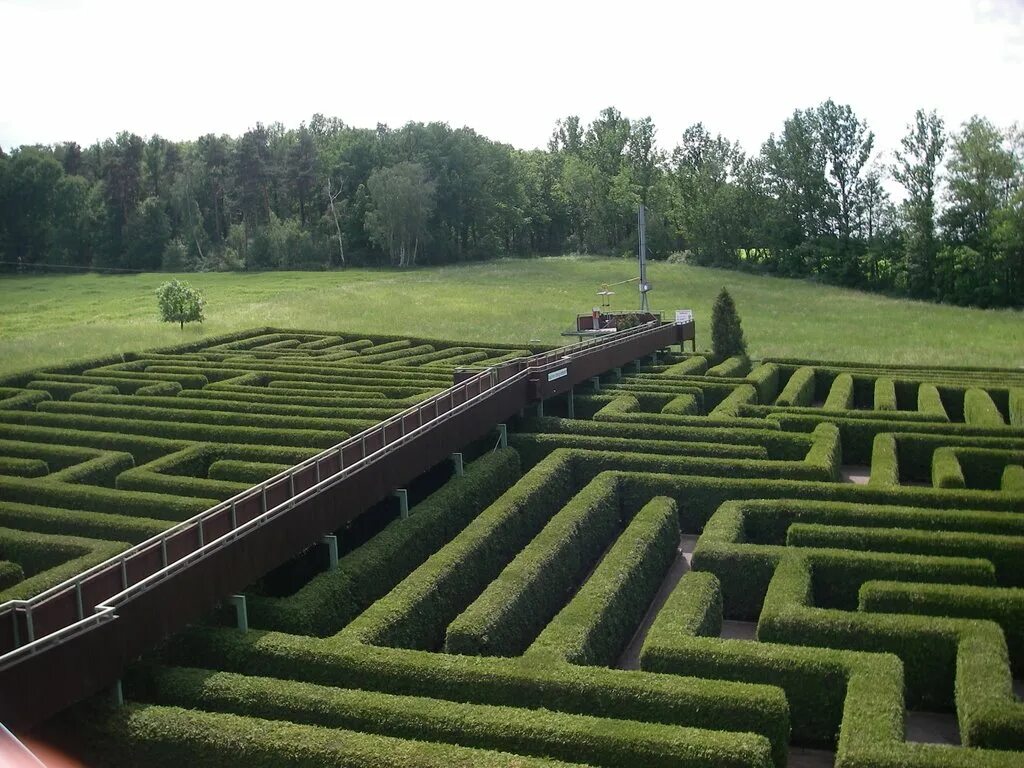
(45, 320)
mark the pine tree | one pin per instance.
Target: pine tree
(726, 333)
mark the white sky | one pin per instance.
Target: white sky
(78, 70)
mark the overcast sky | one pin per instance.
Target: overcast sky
(83, 70)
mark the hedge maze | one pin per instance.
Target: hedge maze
(96, 456)
(706, 565)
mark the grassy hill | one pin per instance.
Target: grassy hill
(44, 320)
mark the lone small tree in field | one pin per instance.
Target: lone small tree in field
(726, 333)
(180, 303)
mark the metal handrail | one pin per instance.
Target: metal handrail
(488, 382)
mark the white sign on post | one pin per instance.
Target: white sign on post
(684, 316)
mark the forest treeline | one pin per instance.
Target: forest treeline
(811, 203)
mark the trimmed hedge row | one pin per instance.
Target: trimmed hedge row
(174, 430)
(599, 621)
(101, 470)
(885, 467)
(784, 446)
(929, 402)
(534, 446)
(544, 734)
(1003, 605)
(76, 522)
(683, 405)
(730, 406)
(731, 367)
(713, 704)
(1016, 407)
(691, 366)
(885, 394)
(980, 411)
(12, 465)
(10, 574)
(217, 409)
(97, 499)
(927, 646)
(1013, 479)
(416, 613)
(248, 472)
(858, 434)
(333, 598)
(799, 390)
(63, 390)
(207, 418)
(765, 379)
(46, 559)
(742, 541)
(946, 471)
(23, 400)
(984, 467)
(532, 588)
(840, 396)
(684, 640)
(1004, 552)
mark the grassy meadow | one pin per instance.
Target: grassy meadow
(45, 320)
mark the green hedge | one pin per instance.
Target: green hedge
(1016, 407)
(12, 465)
(684, 641)
(22, 400)
(885, 467)
(534, 446)
(416, 613)
(779, 445)
(1003, 605)
(765, 379)
(930, 402)
(249, 472)
(168, 407)
(160, 389)
(859, 433)
(207, 418)
(983, 467)
(691, 366)
(980, 411)
(598, 741)
(47, 559)
(63, 390)
(885, 394)
(597, 624)
(840, 396)
(946, 471)
(333, 598)
(97, 499)
(799, 390)
(683, 405)
(1004, 552)
(595, 691)
(731, 367)
(1013, 479)
(525, 596)
(174, 430)
(730, 406)
(76, 522)
(927, 646)
(10, 574)
(743, 540)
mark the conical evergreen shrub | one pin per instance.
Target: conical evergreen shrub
(726, 333)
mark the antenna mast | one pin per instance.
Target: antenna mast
(641, 220)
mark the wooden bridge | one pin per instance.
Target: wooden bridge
(74, 639)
